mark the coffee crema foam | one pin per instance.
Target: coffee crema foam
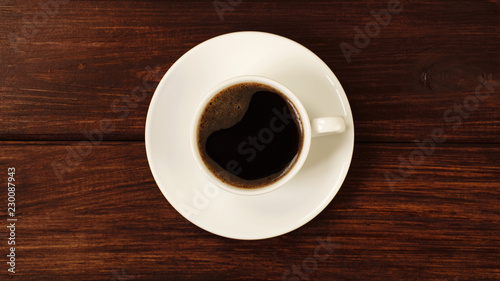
(249, 135)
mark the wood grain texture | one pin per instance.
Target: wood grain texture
(65, 72)
(73, 68)
(441, 223)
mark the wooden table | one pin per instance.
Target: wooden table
(421, 199)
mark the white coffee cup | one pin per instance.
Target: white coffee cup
(310, 128)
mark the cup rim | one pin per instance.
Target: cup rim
(301, 157)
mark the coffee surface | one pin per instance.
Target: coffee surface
(249, 135)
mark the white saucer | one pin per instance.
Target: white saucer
(168, 125)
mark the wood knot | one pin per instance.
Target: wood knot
(454, 74)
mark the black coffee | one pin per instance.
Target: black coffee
(249, 135)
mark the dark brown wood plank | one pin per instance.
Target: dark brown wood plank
(107, 215)
(69, 70)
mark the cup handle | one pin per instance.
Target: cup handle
(327, 126)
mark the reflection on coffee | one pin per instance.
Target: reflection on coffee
(249, 135)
